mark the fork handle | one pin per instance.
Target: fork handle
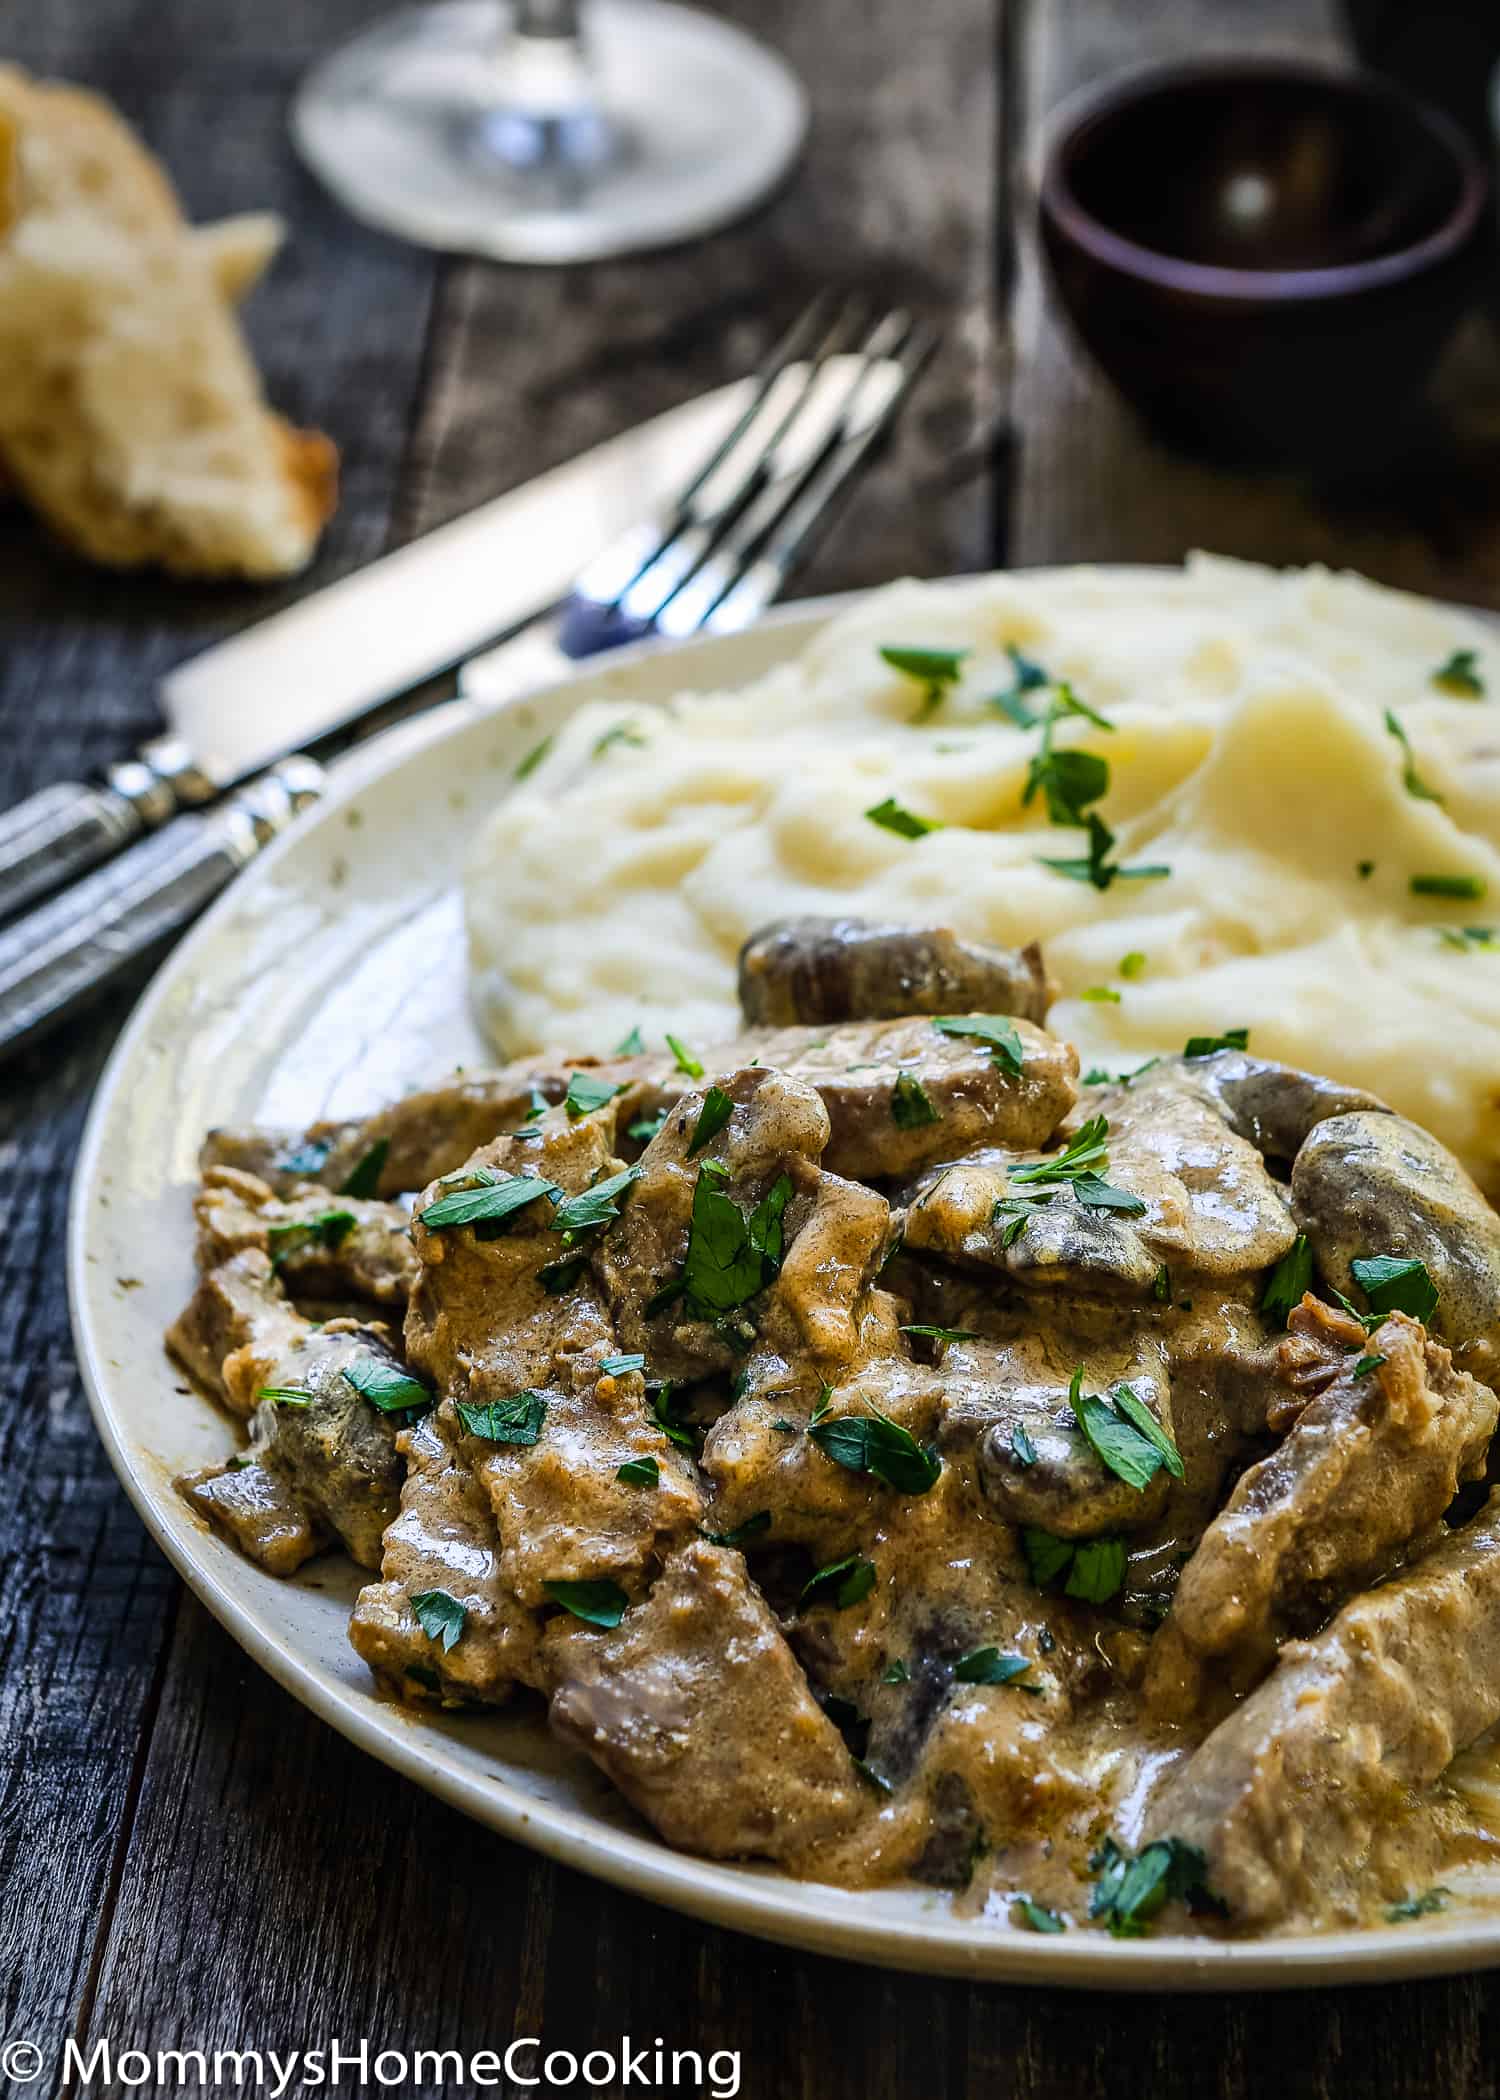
(64, 829)
(59, 957)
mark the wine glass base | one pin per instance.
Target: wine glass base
(691, 122)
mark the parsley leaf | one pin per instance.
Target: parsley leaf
(1290, 1280)
(532, 759)
(1366, 1365)
(1022, 1446)
(1117, 1437)
(1029, 678)
(645, 1128)
(309, 1158)
(517, 1420)
(1100, 994)
(1094, 1568)
(989, 1666)
(1459, 676)
(1133, 965)
(537, 1105)
(934, 669)
(1036, 1917)
(891, 816)
(847, 1580)
(895, 1673)
(1130, 1891)
(1206, 1045)
(586, 1093)
(286, 1395)
(640, 1472)
(715, 1113)
(440, 1616)
(598, 1603)
(876, 1445)
(632, 1045)
(619, 1366)
(752, 1528)
(1468, 889)
(490, 1201)
(1424, 1906)
(942, 1334)
(683, 1058)
(386, 1386)
(1465, 938)
(731, 1256)
(671, 1425)
(1096, 867)
(995, 1029)
(1393, 1284)
(1083, 1153)
(1411, 779)
(365, 1179)
(329, 1228)
(911, 1104)
(595, 1206)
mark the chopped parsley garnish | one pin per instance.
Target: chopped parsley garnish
(1366, 1365)
(619, 1366)
(386, 1385)
(286, 1395)
(1411, 779)
(911, 1104)
(995, 1029)
(365, 1179)
(622, 733)
(586, 1093)
(989, 1666)
(1133, 965)
(1465, 938)
(645, 1128)
(942, 1334)
(1290, 1280)
(598, 1603)
(1208, 1045)
(1101, 995)
(532, 759)
(876, 1445)
(593, 1207)
(895, 1673)
(517, 1420)
(308, 1159)
(1130, 1891)
(538, 1105)
(328, 1229)
(1097, 868)
(640, 1472)
(730, 1256)
(1091, 1569)
(1468, 889)
(1022, 1448)
(715, 1113)
(558, 1276)
(1075, 1166)
(440, 1616)
(632, 1045)
(933, 669)
(1459, 676)
(1036, 1917)
(1364, 869)
(1123, 1434)
(683, 1058)
(1069, 781)
(891, 816)
(1424, 1906)
(841, 1583)
(752, 1528)
(1029, 678)
(1394, 1284)
(669, 1422)
(493, 1198)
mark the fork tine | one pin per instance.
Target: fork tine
(755, 556)
(611, 571)
(739, 475)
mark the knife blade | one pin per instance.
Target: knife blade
(291, 680)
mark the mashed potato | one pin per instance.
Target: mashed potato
(1249, 753)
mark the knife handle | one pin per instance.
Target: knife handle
(59, 957)
(61, 830)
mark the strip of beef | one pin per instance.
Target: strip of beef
(1295, 1798)
(1271, 1106)
(322, 1463)
(696, 1709)
(444, 1538)
(521, 1352)
(970, 1212)
(820, 970)
(1375, 1184)
(317, 1248)
(1369, 1468)
(234, 1328)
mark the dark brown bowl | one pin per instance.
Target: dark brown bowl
(1266, 256)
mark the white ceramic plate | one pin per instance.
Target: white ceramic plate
(326, 981)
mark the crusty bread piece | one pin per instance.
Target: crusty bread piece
(131, 413)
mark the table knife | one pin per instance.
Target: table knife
(288, 682)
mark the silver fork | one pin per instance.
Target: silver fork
(710, 561)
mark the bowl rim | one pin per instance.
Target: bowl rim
(1091, 106)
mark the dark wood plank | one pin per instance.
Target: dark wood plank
(86, 1603)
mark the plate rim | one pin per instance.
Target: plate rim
(738, 1897)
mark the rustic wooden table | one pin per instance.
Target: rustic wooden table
(185, 1856)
